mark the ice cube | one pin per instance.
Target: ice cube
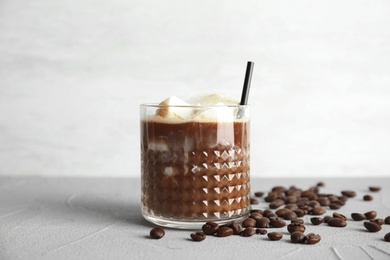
(174, 107)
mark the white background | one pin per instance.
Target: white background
(73, 73)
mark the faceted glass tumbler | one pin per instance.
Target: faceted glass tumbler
(195, 169)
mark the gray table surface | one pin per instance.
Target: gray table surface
(100, 218)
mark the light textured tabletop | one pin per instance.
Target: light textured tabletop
(100, 218)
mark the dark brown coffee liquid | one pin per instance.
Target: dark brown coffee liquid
(195, 170)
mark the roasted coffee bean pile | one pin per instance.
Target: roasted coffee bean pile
(290, 204)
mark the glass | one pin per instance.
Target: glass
(196, 169)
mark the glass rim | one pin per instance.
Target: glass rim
(156, 105)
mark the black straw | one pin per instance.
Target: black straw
(247, 83)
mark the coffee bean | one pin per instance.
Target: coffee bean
(335, 205)
(316, 220)
(270, 197)
(261, 231)
(225, 232)
(297, 237)
(210, 228)
(157, 233)
(259, 194)
(276, 204)
(248, 232)
(291, 206)
(198, 236)
(237, 228)
(292, 227)
(327, 218)
(277, 223)
(263, 223)
(312, 238)
(378, 221)
(314, 204)
(338, 215)
(298, 221)
(289, 215)
(387, 220)
(372, 226)
(279, 189)
(318, 211)
(374, 188)
(337, 222)
(267, 212)
(256, 215)
(300, 213)
(387, 237)
(254, 201)
(320, 184)
(323, 201)
(280, 212)
(274, 236)
(370, 214)
(290, 199)
(358, 216)
(348, 193)
(367, 198)
(249, 222)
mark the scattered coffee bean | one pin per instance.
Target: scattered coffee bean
(291, 206)
(320, 184)
(276, 204)
(316, 220)
(248, 232)
(249, 222)
(374, 188)
(298, 220)
(157, 233)
(279, 189)
(297, 237)
(292, 227)
(198, 236)
(370, 214)
(314, 204)
(327, 218)
(261, 231)
(318, 211)
(277, 223)
(237, 228)
(254, 201)
(335, 205)
(387, 237)
(256, 215)
(338, 215)
(387, 220)
(358, 216)
(348, 193)
(271, 196)
(323, 201)
(267, 212)
(289, 215)
(378, 221)
(367, 198)
(280, 212)
(224, 232)
(337, 222)
(259, 194)
(210, 228)
(263, 223)
(274, 236)
(372, 226)
(312, 238)
(299, 212)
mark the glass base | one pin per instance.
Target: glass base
(188, 223)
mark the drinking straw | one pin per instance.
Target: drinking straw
(247, 83)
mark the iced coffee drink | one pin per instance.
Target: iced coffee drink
(195, 163)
